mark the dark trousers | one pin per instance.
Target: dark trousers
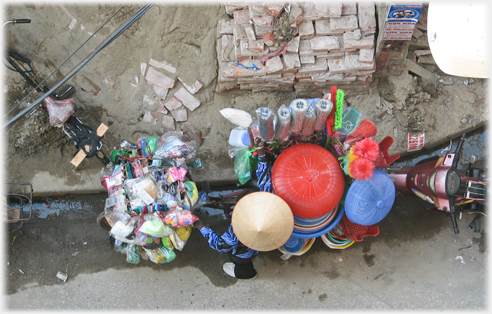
(243, 268)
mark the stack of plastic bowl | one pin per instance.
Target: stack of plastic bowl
(309, 178)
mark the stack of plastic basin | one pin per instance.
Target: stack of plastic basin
(309, 178)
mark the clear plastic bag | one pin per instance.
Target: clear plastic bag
(59, 110)
(180, 218)
(283, 125)
(160, 255)
(170, 145)
(180, 237)
(141, 191)
(133, 253)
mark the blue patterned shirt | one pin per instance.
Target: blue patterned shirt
(227, 242)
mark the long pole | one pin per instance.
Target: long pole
(113, 36)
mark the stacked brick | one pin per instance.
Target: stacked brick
(332, 44)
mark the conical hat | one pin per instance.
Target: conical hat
(262, 221)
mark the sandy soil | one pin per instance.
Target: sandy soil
(185, 36)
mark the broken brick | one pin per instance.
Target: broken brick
(322, 28)
(274, 9)
(160, 91)
(263, 24)
(193, 89)
(241, 17)
(168, 123)
(269, 39)
(250, 32)
(256, 45)
(173, 104)
(155, 77)
(307, 59)
(256, 10)
(162, 65)
(187, 99)
(293, 45)
(274, 65)
(291, 61)
(180, 115)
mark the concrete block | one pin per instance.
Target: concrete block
(162, 65)
(269, 39)
(250, 32)
(188, 100)
(241, 17)
(344, 23)
(274, 65)
(180, 115)
(160, 91)
(256, 10)
(225, 27)
(349, 8)
(291, 61)
(155, 77)
(173, 104)
(366, 55)
(306, 30)
(324, 43)
(364, 43)
(168, 123)
(274, 9)
(307, 59)
(293, 45)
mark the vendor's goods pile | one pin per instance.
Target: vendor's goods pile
(151, 197)
(305, 47)
(327, 175)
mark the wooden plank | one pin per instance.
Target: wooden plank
(80, 156)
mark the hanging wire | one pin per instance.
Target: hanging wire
(112, 37)
(20, 102)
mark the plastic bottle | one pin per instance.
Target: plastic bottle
(239, 137)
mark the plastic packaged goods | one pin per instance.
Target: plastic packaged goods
(266, 122)
(298, 110)
(283, 123)
(323, 109)
(239, 137)
(309, 120)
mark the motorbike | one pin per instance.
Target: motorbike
(436, 183)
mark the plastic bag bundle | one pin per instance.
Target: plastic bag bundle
(283, 123)
(309, 120)
(323, 110)
(237, 117)
(59, 110)
(298, 110)
(266, 122)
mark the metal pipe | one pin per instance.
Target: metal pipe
(113, 36)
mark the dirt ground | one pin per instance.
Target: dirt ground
(185, 37)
